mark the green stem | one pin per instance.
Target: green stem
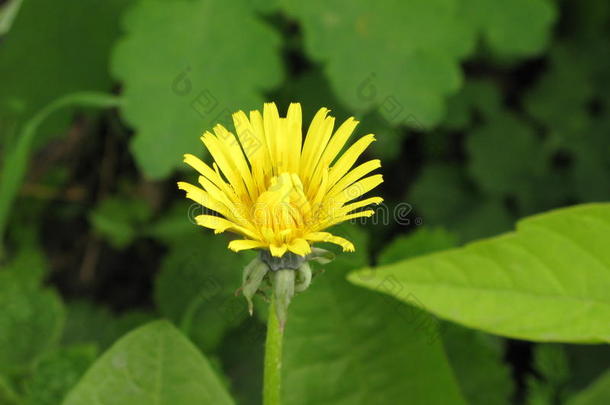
(273, 359)
(16, 160)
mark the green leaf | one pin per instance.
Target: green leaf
(87, 323)
(516, 27)
(119, 219)
(178, 81)
(563, 109)
(57, 373)
(548, 386)
(535, 283)
(597, 393)
(441, 194)
(28, 265)
(476, 98)
(346, 345)
(31, 321)
(153, 364)
(36, 71)
(403, 57)
(242, 354)
(493, 149)
(8, 396)
(476, 358)
(421, 241)
(482, 219)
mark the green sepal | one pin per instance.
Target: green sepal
(253, 276)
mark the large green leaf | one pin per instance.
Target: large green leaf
(187, 65)
(548, 281)
(154, 364)
(346, 345)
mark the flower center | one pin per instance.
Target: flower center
(283, 208)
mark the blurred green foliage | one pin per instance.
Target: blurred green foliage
(485, 112)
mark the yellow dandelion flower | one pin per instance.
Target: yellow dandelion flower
(280, 191)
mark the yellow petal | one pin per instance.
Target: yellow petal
(271, 122)
(343, 218)
(201, 197)
(245, 244)
(278, 251)
(358, 188)
(354, 175)
(225, 162)
(220, 225)
(338, 140)
(359, 204)
(294, 136)
(300, 247)
(347, 160)
(330, 238)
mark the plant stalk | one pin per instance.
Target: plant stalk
(273, 358)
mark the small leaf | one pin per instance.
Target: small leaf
(8, 396)
(516, 27)
(57, 373)
(552, 373)
(476, 97)
(493, 149)
(119, 219)
(536, 283)
(154, 364)
(441, 194)
(30, 321)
